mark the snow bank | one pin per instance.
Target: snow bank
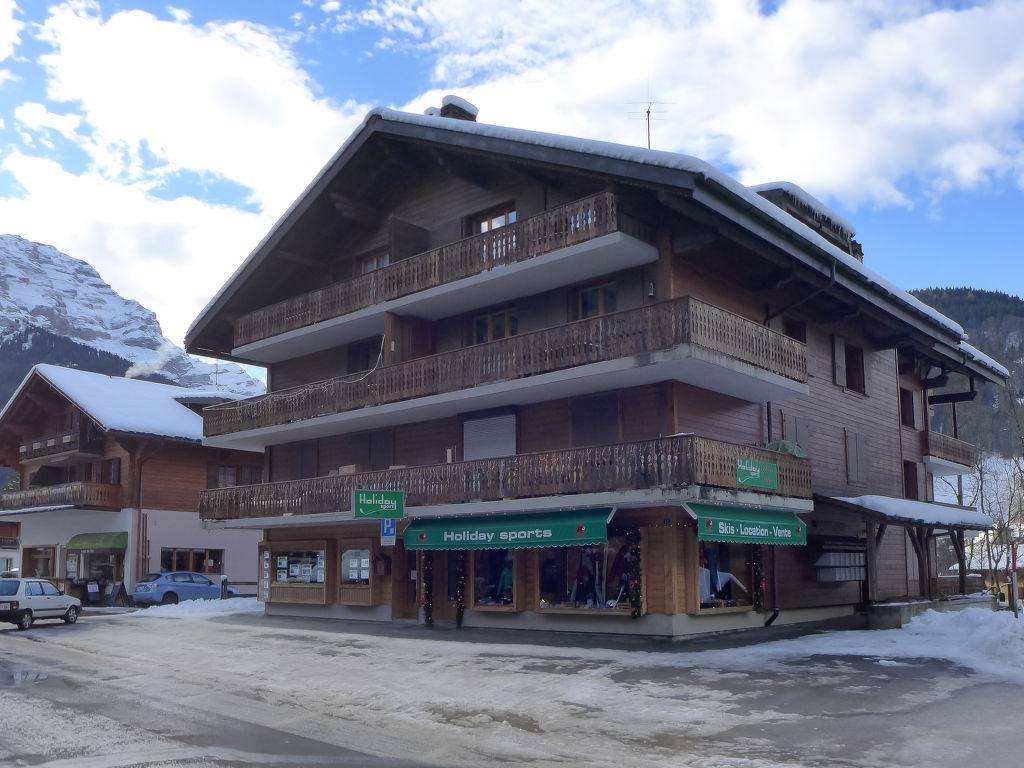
(202, 608)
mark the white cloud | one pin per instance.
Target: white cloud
(10, 28)
(170, 255)
(228, 99)
(37, 117)
(848, 98)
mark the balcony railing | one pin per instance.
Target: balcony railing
(8, 542)
(948, 448)
(61, 442)
(609, 337)
(99, 495)
(560, 227)
(644, 464)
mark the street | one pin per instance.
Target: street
(231, 687)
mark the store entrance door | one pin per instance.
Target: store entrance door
(410, 581)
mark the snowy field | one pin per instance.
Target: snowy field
(451, 702)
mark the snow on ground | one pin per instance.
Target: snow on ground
(202, 608)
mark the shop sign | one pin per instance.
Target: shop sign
(748, 526)
(589, 526)
(378, 504)
(758, 474)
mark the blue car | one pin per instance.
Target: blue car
(171, 588)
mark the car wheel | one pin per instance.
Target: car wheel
(169, 599)
(25, 620)
(72, 615)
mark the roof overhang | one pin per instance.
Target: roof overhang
(890, 510)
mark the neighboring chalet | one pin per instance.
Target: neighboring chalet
(610, 382)
(111, 470)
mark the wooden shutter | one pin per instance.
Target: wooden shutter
(853, 462)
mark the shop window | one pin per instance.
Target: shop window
(725, 575)
(102, 567)
(495, 325)
(39, 561)
(198, 560)
(355, 567)
(907, 408)
(596, 300)
(494, 577)
(492, 219)
(299, 567)
(592, 577)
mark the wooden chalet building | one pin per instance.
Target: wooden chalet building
(110, 472)
(610, 382)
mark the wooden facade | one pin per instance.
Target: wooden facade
(473, 334)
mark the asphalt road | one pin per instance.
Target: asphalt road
(113, 693)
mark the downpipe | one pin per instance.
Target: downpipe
(773, 617)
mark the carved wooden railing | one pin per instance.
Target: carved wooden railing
(81, 494)
(552, 230)
(949, 448)
(661, 463)
(8, 542)
(609, 337)
(57, 443)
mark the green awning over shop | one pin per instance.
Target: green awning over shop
(99, 541)
(747, 526)
(545, 529)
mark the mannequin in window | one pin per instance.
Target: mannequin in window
(503, 591)
(585, 588)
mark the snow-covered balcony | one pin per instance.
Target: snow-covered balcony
(945, 455)
(578, 241)
(640, 472)
(66, 495)
(684, 339)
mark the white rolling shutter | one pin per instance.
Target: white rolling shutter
(489, 437)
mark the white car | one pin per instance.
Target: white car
(22, 601)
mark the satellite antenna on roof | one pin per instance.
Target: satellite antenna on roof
(647, 112)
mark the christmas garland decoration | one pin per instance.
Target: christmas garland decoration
(460, 587)
(633, 575)
(757, 566)
(428, 589)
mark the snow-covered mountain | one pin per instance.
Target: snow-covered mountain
(45, 293)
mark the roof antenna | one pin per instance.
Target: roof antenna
(647, 111)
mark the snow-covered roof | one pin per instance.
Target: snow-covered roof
(981, 358)
(125, 405)
(809, 200)
(640, 156)
(921, 511)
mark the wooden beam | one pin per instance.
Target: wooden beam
(935, 381)
(954, 397)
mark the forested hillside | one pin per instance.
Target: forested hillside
(994, 322)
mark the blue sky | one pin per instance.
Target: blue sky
(160, 141)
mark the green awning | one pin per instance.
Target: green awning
(99, 541)
(747, 526)
(544, 529)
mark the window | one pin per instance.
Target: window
(299, 567)
(355, 567)
(725, 574)
(364, 355)
(596, 300)
(492, 219)
(48, 588)
(795, 329)
(495, 325)
(591, 577)
(907, 415)
(218, 476)
(192, 559)
(486, 437)
(39, 562)
(848, 366)
(303, 459)
(910, 484)
(372, 262)
(494, 577)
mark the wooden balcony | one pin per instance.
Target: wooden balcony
(91, 495)
(613, 337)
(59, 443)
(558, 228)
(948, 450)
(645, 464)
